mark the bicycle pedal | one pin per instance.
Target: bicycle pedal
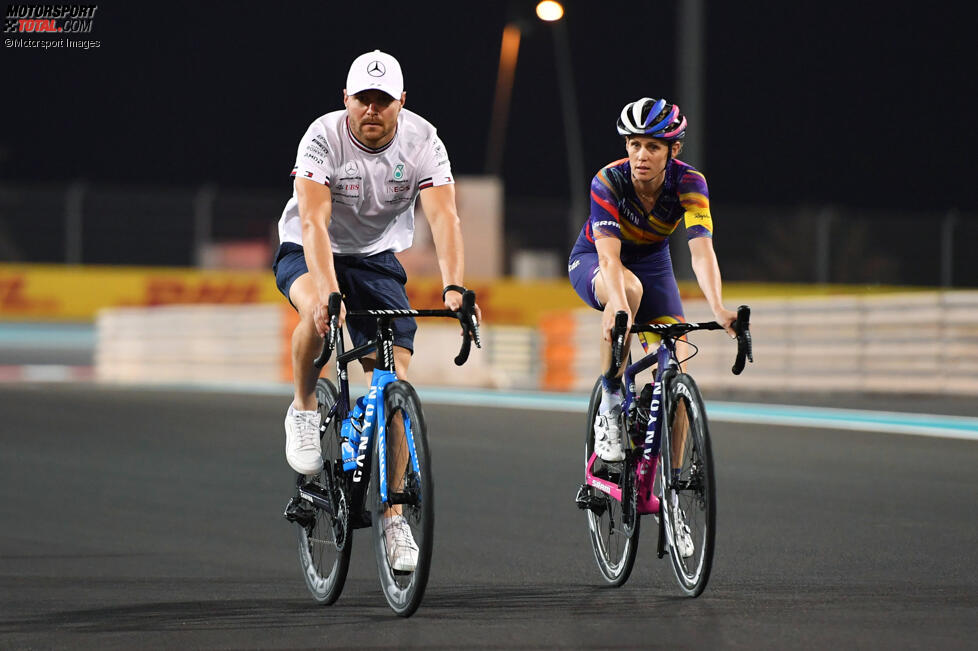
(595, 504)
(299, 512)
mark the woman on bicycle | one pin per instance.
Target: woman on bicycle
(621, 260)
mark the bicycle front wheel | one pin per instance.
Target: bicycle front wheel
(613, 526)
(403, 551)
(689, 502)
(325, 539)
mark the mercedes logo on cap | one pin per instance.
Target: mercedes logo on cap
(376, 69)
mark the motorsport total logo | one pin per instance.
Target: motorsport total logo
(49, 19)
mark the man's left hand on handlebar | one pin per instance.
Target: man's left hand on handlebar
(453, 301)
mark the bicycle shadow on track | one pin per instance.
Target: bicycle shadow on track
(506, 602)
(515, 601)
(183, 616)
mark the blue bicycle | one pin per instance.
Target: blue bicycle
(376, 465)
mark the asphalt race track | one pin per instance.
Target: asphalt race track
(137, 519)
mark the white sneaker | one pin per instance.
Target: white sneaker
(302, 449)
(680, 530)
(607, 437)
(402, 551)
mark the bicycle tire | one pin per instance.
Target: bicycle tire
(613, 540)
(404, 590)
(325, 545)
(696, 488)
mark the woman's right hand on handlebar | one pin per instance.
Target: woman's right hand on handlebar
(608, 318)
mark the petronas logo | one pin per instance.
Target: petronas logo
(399, 172)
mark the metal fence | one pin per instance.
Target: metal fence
(82, 223)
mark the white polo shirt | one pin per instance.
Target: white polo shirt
(373, 189)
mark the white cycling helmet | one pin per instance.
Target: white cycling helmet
(655, 118)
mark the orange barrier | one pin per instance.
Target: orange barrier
(557, 330)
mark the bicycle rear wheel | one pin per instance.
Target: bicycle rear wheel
(410, 492)
(696, 488)
(325, 540)
(613, 526)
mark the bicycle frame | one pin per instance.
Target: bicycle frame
(375, 418)
(665, 357)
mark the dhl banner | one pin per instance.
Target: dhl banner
(76, 293)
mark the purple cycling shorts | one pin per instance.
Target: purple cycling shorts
(660, 295)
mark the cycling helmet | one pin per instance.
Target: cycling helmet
(655, 118)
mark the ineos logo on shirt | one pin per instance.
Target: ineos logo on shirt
(376, 69)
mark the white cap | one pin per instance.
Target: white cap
(375, 70)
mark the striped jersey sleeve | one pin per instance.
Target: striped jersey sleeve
(435, 169)
(605, 220)
(695, 200)
(313, 160)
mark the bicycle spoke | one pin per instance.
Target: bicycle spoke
(613, 530)
(325, 540)
(691, 550)
(403, 528)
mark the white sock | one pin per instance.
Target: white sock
(610, 398)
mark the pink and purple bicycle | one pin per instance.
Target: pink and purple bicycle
(668, 467)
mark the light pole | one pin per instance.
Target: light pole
(508, 54)
(690, 62)
(552, 12)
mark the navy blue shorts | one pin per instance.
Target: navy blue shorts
(660, 294)
(372, 282)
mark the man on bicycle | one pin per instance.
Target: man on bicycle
(357, 174)
(621, 259)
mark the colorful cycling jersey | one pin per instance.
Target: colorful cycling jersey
(616, 211)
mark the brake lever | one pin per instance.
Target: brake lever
(745, 349)
(617, 343)
(470, 327)
(329, 341)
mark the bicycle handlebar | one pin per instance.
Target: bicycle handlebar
(465, 315)
(618, 333)
(741, 327)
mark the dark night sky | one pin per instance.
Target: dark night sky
(864, 106)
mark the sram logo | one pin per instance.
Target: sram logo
(601, 487)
